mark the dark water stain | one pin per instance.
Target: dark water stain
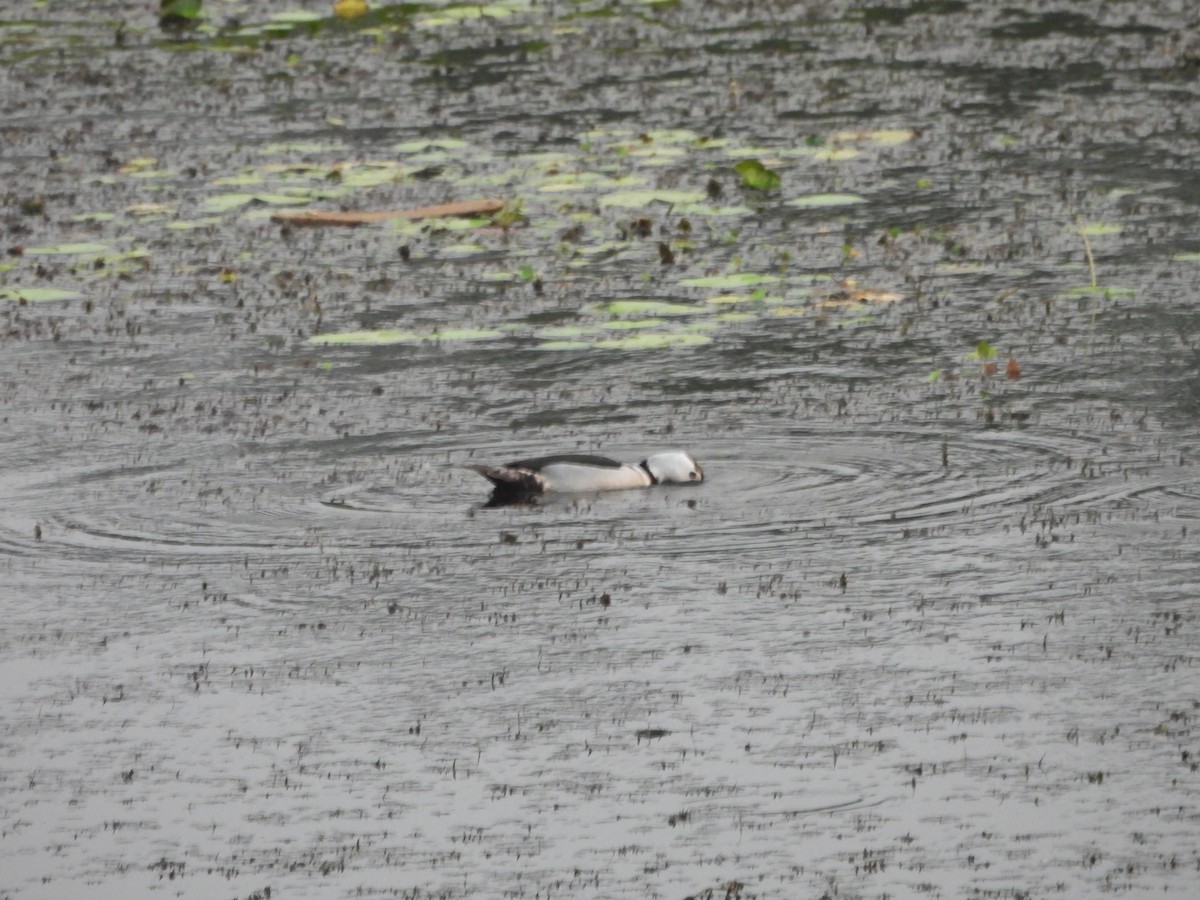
(925, 629)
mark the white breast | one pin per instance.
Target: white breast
(574, 477)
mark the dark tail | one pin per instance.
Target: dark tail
(510, 486)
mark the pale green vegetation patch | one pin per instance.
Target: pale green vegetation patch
(37, 294)
(1099, 229)
(389, 336)
(822, 200)
(83, 248)
(733, 280)
(647, 308)
(636, 199)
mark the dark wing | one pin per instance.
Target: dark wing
(579, 459)
(510, 485)
(509, 477)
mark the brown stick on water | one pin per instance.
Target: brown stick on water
(332, 217)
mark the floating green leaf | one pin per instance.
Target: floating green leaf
(733, 280)
(647, 307)
(654, 341)
(183, 9)
(422, 146)
(645, 198)
(1100, 290)
(835, 153)
(187, 225)
(37, 294)
(633, 324)
(242, 179)
(387, 336)
(1099, 229)
(295, 17)
(80, 249)
(757, 176)
(227, 202)
(818, 200)
(983, 350)
(565, 331)
(278, 149)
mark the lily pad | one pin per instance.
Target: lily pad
(821, 200)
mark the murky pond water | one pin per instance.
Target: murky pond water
(929, 628)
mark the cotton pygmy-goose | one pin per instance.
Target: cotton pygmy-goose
(571, 473)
